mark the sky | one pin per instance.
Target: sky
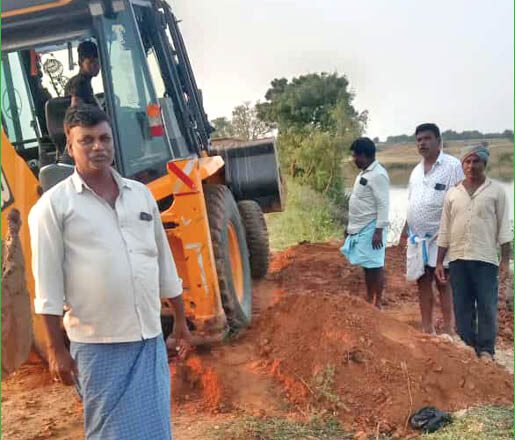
(407, 61)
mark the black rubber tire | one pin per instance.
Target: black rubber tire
(222, 210)
(257, 237)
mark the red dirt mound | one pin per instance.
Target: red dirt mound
(370, 369)
(319, 267)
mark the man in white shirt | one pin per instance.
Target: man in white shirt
(100, 252)
(429, 182)
(368, 218)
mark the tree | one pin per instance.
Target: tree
(246, 124)
(306, 101)
(223, 128)
(376, 140)
(316, 122)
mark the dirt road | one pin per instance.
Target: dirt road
(314, 345)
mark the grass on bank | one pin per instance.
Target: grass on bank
(276, 428)
(309, 216)
(481, 423)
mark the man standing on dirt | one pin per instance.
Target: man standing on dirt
(368, 218)
(429, 182)
(100, 252)
(79, 87)
(475, 221)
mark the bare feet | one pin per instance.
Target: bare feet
(429, 330)
(446, 337)
(449, 331)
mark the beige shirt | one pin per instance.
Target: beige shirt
(369, 199)
(472, 227)
(106, 267)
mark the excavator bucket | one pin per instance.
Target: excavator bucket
(16, 311)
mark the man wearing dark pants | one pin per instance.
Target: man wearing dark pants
(475, 221)
(430, 180)
(368, 218)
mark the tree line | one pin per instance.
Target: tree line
(451, 135)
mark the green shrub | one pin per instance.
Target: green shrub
(309, 216)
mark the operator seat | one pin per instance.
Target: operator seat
(52, 174)
(55, 110)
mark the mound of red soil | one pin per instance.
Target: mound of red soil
(371, 370)
(319, 267)
(315, 342)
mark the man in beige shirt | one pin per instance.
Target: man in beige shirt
(475, 221)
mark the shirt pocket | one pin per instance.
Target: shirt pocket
(365, 192)
(141, 233)
(438, 195)
(359, 189)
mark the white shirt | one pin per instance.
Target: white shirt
(426, 193)
(369, 199)
(473, 227)
(107, 267)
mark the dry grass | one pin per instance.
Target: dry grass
(480, 423)
(277, 428)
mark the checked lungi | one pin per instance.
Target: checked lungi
(125, 389)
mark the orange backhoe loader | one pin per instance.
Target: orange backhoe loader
(211, 202)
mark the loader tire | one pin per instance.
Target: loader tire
(231, 255)
(257, 237)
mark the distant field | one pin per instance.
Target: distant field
(399, 159)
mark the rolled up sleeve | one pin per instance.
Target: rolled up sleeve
(505, 234)
(47, 258)
(380, 187)
(170, 285)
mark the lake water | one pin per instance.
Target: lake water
(399, 206)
